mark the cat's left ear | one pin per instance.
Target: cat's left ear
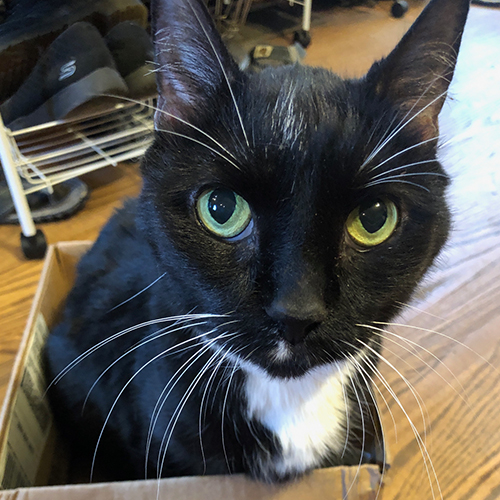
(194, 68)
(417, 73)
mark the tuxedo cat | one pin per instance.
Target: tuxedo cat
(222, 321)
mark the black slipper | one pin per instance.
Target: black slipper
(76, 68)
(30, 26)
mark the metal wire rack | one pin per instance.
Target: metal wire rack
(43, 156)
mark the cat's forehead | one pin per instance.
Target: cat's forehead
(314, 95)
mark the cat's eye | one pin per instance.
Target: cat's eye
(372, 222)
(224, 212)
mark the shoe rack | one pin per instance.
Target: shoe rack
(43, 156)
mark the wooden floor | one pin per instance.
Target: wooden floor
(444, 370)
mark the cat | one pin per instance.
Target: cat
(225, 320)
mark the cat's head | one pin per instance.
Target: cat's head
(299, 204)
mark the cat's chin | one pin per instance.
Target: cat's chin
(297, 363)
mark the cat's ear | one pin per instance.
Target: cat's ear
(193, 66)
(417, 73)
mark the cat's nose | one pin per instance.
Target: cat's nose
(296, 323)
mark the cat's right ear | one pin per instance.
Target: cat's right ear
(194, 70)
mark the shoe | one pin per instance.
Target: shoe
(75, 69)
(133, 53)
(263, 56)
(66, 199)
(31, 26)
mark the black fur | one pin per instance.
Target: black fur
(297, 153)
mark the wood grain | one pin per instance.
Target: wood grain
(448, 385)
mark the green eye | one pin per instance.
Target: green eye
(223, 212)
(372, 222)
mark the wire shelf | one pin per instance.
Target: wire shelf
(47, 155)
(41, 157)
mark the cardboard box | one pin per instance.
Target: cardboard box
(31, 456)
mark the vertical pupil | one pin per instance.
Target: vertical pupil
(221, 205)
(373, 215)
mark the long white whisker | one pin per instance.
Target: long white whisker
(363, 429)
(204, 399)
(395, 155)
(129, 381)
(392, 170)
(138, 293)
(223, 72)
(379, 331)
(347, 415)
(423, 449)
(396, 178)
(222, 419)
(405, 123)
(442, 335)
(159, 334)
(410, 306)
(399, 182)
(162, 398)
(170, 115)
(367, 378)
(201, 144)
(113, 337)
(176, 414)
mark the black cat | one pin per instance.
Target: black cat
(221, 322)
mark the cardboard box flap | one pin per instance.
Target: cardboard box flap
(346, 483)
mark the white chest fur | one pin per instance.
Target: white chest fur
(307, 414)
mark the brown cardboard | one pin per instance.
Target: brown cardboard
(27, 430)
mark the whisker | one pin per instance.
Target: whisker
(399, 182)
(223, 71)
(405, 150)
(129, 381)
(176, 414)
(363, 430)
(204, 399)
(379, 331)
(405, 123)
(347, 416)
(171, 132)
(392, 170)
(115, 336)
(442, 335)
(421, 443)
(396, 178)
(138, 293)
(162, 398)
(222, 419)
(367, 379)
(410, 306)
(159, 334)
(170, 115)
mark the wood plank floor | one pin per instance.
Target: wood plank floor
(444, 370)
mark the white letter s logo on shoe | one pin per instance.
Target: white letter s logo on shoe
(67, 70)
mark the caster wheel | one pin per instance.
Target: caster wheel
(399, 8)
(34, 247)
(303, 37)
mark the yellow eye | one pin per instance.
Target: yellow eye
(223, 212)
(372, 222)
